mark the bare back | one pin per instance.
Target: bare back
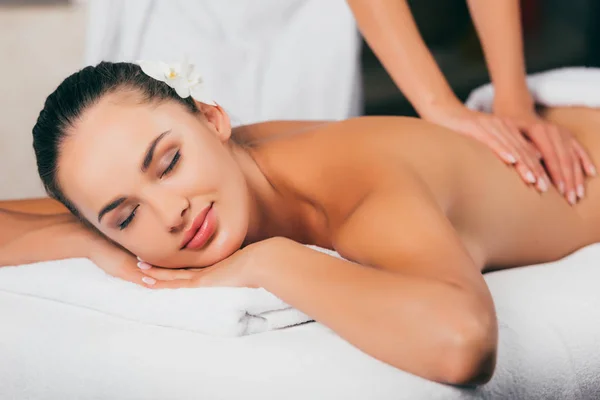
(329, 168)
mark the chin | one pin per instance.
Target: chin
(222, 246)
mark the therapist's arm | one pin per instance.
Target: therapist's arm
(390, 30)
(499, 28)
(498, 25)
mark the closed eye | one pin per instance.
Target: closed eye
(128, 220)
(167, 170)
(172, 165)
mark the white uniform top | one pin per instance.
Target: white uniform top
(264, 59)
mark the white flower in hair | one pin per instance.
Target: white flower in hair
(180, 76)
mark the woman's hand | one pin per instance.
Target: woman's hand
(114, 260)
(566, 160)
(501, 135)
(237, 270)
(118, 262)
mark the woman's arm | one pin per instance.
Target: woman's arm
(41, 230)
(34, 206)
(427, 326)
(415, 301)
(412, 299)
(27, 238)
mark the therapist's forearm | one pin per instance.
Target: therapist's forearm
(390, 30)
(498, 25)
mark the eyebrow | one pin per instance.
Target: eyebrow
(145, 165)
(109, 207)
(150, 151)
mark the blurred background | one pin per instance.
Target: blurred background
(43, 41)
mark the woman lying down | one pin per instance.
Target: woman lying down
(419, 213)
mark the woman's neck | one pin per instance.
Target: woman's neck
(274, 209)
(269, 210)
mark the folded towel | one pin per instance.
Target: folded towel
(213, 311)
(571, 86)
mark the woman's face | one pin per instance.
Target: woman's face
(158, 180)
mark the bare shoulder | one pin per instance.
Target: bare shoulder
(335, 165)
(259, 133)
(332, 165)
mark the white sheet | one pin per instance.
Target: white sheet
(549, 340)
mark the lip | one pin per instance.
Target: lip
(203, 227)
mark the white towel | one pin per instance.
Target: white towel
(571, 86)
(213, 311)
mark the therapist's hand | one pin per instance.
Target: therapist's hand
(501, 135)
(566, 160)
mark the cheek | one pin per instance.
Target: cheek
(205, 170)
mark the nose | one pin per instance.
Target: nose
(170, 208)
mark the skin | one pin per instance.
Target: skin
(418, 212)
(257, 191)
(390, 30)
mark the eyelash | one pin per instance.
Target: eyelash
(124, 224)
(167, 170)
(172, 165)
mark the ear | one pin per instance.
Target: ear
(218, 118)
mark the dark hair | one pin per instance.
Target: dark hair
(65, 106)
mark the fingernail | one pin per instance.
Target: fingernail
(580, 191)
(530, 177)
(561, 187)
(593, 171)
(572, 198)
(144, 265)
(139, 259)
(510, 158)
(542, 185)
(149, 281)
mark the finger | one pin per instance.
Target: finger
(528, 146)
(172, 284)
(528, 166)
(490, 137)
(564, 152)
(132, 275)
(579, 177)
(483, 132)
(167, 274)
(543, 141)
(525, 173)
(584, 157)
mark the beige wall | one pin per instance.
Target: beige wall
(39, 46)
